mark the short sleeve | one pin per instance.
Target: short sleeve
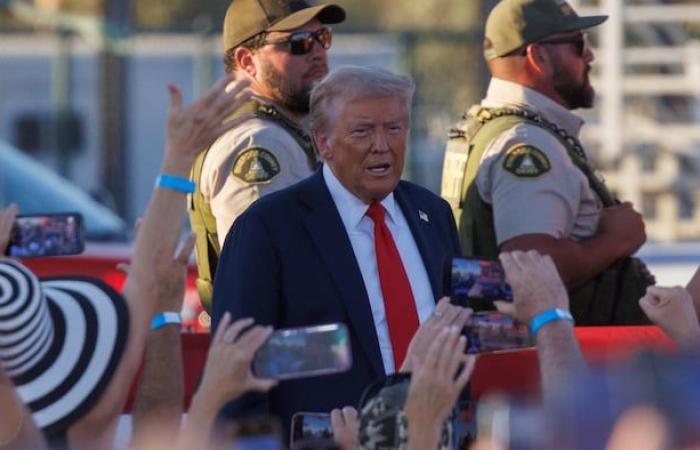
(531, 183)
(250, 161)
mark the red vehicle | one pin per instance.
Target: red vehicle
(37, 190)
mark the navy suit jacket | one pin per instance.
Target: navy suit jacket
(288, 262)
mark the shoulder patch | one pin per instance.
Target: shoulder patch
(255, 165)
(526, 161)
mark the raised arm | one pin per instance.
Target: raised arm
(537, 289)
(190, 129)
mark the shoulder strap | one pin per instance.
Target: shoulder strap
(573, 148)
(269, 112)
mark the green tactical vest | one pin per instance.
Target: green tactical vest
(201, 217)
(612, 296)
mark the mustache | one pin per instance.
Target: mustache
(316, 68)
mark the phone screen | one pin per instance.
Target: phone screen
(476, 283)
(310, 427)
(47, 235)
(303, 352)
(495, 332)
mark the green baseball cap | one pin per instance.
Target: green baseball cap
(246, 18)
(515, 23)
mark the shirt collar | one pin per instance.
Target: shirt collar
(350, 207)
(502, 92)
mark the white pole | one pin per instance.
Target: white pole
(612, 72)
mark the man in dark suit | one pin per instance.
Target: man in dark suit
(351, 244)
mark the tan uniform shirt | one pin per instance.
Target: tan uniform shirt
(228, 194)
(560, 201)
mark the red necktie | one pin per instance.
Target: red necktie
(399, 306)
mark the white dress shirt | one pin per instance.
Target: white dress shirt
(360, 229)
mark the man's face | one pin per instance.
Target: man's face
(571, 66)
(365, 144)
(288, 78)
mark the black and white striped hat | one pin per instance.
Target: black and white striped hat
(60, 342)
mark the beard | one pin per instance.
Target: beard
(576, 94)
(294, 98)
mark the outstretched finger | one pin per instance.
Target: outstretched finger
(430, 360)
(223, 325)
(262, 384)
(447, 352)
(469, 362)
(175, 97)
(253, 339)
(235, 329)
(183, 255)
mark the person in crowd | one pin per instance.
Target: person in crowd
(72, 346)
(518, 178)
(281, 48)
(352, 243)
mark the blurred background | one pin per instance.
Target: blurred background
(82, 93)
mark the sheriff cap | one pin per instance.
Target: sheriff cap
(246, 18)
(515, 23)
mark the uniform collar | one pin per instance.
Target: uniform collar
(350, 207)
(502, 93)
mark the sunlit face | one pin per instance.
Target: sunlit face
(288, 78)
(571, 66)
(365, 144)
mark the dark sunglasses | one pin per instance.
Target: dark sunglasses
(580, 42)
(302, 42)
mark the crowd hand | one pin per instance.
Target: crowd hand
(345, 427)
(624, 226)
(170, 274)
(228, 373)
(192, 128)
(672, 309)
(436, 383)
(536, 284)
(7, 221)
(445, 314)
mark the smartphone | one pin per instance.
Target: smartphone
(489, 332)
(304, 352)
(47, 235)
(476, 283)
(311, 430)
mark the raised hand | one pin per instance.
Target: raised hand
(672, 309)
(194, 127)
(536, 283)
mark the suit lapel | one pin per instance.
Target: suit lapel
(424, 235)
(333, 245)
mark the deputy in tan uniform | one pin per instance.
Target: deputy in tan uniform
(280, 46)
(518, 177)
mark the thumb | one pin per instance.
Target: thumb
(262, 385)
(124, 268)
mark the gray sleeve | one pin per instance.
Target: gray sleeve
(541, 202)
(244, 165)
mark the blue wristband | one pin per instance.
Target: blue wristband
(548, 315)
(165, 318)
(174, 183)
